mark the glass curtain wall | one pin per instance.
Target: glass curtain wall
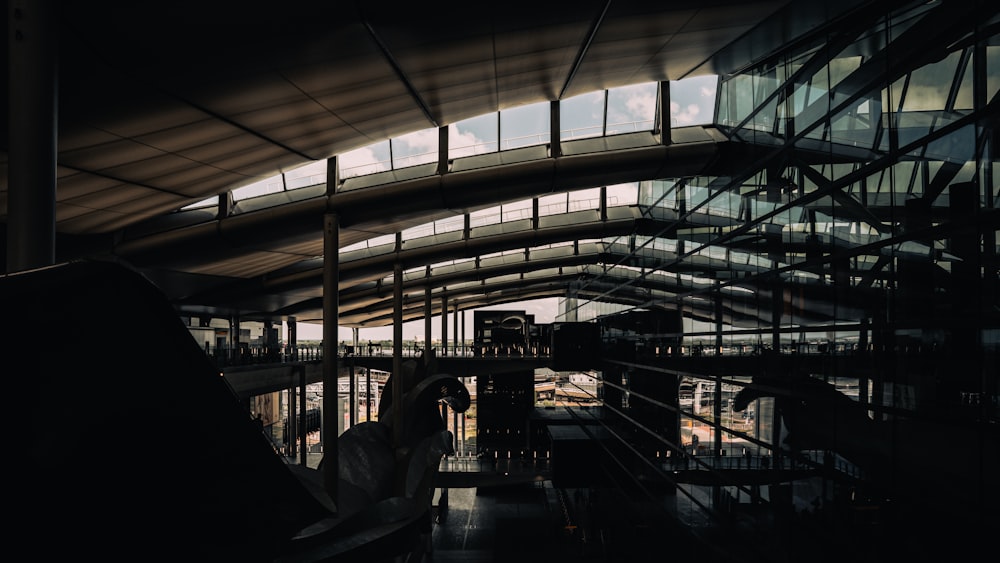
(854, 258)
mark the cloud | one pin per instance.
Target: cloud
(361, 161)
(641, 105)
(687, 116)
(425, 140)
(631, 107)
(465, 143)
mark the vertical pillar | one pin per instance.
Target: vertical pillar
(442, 150)
(331, 315)
(718, 318)
(292, 431)
(397, 347)
(967, 299)
(303, 410)
(225, 205)
(352, 400)
(234, 338)
(717, 411)
(33, 143)
(914, 307)
(664, 124)
(428, 309)
(444, 324)
(555, 130)
(456, 345)
(293, 332)
(269, 343)
(444, 346)
(369, 396)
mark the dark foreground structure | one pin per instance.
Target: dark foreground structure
(779, 317)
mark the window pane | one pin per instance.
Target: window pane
(308, 175)
(490, 216)
(366, 160)
(415, 148)
(632, 108)
(623, 194)
(269, 186)
(582, 116)
(928, 86)
(516, 210)
(524, 126)
(456, 223)
(552, 204)
(477, 135)
(207, 202)
(585, 199)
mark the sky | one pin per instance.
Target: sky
(629, 108)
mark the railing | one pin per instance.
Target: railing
(255, 355)
(246, 356)
(487, 147)
(807, 460)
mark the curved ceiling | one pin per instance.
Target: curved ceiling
(160, 107)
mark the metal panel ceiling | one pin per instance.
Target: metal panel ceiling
(198, 99)
(162, 106)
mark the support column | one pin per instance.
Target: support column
(718, 318)
(555, 133)
(864, 398)
(369, 396)
(331, 315)
(717, 411)
(968, 302)
(397, 348)
(664, 124)
(234, 339)
(352, 400)
(444, 347)
(444, 325)
(292, 432)
(428, 308)
(33, 143)
(303, 426)
(442, 149)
